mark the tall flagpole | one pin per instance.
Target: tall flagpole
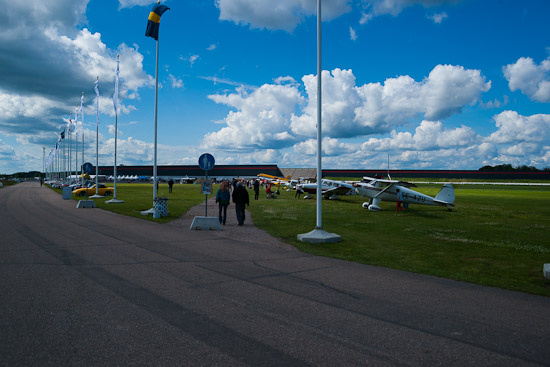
(319, 224)
(76, 143)
(114, 200)
(153, 25)
(156, 109)
(97, 141)
(318, 235)
(70, 148)
(82, 116)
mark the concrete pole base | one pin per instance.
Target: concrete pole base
(114, 201)
(85, 204)
(319, 236)
(206, 223)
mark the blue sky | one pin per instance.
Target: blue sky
(432, 83)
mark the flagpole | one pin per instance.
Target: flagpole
(97, 142)
(64, 155)
(70, 149)
(319, 195)
(114, 200)
(76, 145)
(156, 111)
(152, 31)
(82, 115)
(318, 235)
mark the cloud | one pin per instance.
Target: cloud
(352, 34)
(330, 146)
(176, 82)
(260, 119)
(278, 15)
(374, 8)
(131, 3)
(6, 151)
(281, 116)
(212, 47)
(438, 17)
(46, 63)
(430, 145)
(514, 128)
(531, 79)
(428, 136)
(192, 59)
(350, 111)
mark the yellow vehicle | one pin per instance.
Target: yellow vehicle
(101, 190)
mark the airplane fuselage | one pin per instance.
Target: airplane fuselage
(378, 192)
(409, 196)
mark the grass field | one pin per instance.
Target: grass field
(496, 235)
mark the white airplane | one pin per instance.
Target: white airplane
(373, 188)
(329, 188)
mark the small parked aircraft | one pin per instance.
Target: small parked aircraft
(270, 177)
(373, 188)
(329, 188)
(277, 181)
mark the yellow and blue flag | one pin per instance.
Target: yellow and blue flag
(154, 21)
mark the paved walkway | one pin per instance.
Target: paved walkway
(88, 287)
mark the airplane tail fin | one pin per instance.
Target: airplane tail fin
(446, 195)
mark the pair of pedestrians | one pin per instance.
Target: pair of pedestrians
(240, 199)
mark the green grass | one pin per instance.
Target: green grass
(8, 183)
(496, 236)
(139, 197)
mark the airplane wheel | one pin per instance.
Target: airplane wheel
(365, 205)
(82, 193)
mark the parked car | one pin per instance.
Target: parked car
(101, 190)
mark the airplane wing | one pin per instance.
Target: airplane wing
(401, 183)
(384, 190)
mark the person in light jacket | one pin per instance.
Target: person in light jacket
(222, 198)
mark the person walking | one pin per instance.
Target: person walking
(170, 184)
(240, 198)
(399, 201)
(222, 198)
(256, 189)
(299, 190)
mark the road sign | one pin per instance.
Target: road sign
(88, 168)
(206, 161)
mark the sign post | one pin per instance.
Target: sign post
(206, 163)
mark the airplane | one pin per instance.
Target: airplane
(372, 187)
(265, 175)
(277, 181)
(329, 188)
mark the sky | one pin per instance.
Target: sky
(427, 84)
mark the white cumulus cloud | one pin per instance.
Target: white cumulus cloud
(531, 79)
(281, 14)
(349, 110)
(260, 119)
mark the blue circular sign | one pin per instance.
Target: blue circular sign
(206, 161)
(88, 168)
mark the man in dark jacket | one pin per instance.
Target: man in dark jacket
(240, 198)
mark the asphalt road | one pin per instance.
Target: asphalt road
(85, 287)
